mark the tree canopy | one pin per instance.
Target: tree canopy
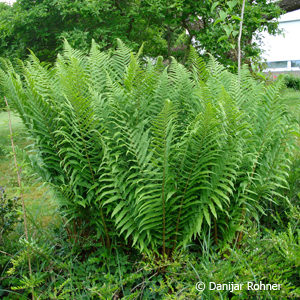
(167, 27)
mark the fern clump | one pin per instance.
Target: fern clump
(158, 155)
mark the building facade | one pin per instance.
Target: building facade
(282, 52)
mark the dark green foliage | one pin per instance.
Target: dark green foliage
(9, 213)
(2, 103)
(2, 151)
(42, 25)
(64, 270)
(9, 219)
(157, 156)
(292, 82)
(162, 25)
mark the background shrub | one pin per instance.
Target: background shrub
(2, 103)
(292, 82)
(9, 213)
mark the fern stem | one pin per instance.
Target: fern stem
(216, 231)
(5, 253)
(164, 207)
(181, 201)
(179, 213)
(240, 233)
(94, 181)
(105, 229)
(20, 185)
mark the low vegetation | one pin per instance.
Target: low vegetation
(292, 82)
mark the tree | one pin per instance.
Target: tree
(42, 25)
(214, 26)
(167, 27)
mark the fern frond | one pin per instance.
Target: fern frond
(158, 155)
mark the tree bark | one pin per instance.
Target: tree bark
(289, 5)
(239, 40)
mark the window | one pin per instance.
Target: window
(277, 64)
(295, 63)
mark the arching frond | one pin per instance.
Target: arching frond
(158, 155)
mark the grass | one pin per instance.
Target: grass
(8, 177)
(40, 204)
(292, 99)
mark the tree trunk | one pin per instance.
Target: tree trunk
(289, 5)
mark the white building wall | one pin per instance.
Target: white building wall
(8, 1)
(282, 52)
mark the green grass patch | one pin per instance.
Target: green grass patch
(18, 131)
(292, 99)
(41, 206)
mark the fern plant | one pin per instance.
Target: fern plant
(158, 155)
